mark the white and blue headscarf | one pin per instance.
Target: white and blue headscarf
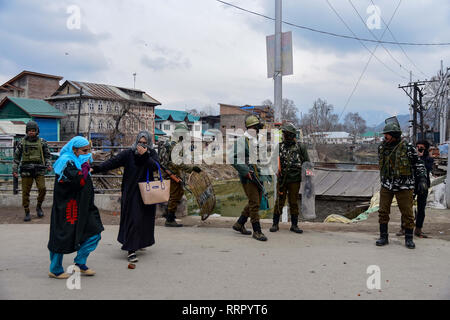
(67, 155)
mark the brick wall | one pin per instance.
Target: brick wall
(40, 87)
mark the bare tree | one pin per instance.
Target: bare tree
(354, 124)
(288, 110)
(320, 118)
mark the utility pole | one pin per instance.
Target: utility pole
(415, 115)
(134, 75)
(79, 112)
(411, 112)
(278, 77)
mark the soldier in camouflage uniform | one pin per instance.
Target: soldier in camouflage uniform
(176, 188)
(253, 193)
(32, 159)
(400, 168)
(292, 156)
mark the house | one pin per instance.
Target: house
(31, 85)
(167, 120)
(370, 137)
(18, 111)
(101, 107)
(339, 137)
(233, 117)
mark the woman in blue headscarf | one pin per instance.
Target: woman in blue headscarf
(75, 222)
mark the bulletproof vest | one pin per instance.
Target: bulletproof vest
(32, 151)
(395, 163)
(291, 154)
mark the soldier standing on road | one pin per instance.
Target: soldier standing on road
(32, 159)
(400, 169)
(248, 173)
(167, 161)
(292, 156)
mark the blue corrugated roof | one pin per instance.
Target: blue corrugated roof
(160, 132)
(176, 115)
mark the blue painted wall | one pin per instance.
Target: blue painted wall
(48, 128)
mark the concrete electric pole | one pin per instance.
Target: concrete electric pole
(278, 76)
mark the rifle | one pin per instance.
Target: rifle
(264, 200)
(175, 178)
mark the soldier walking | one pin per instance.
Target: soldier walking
(176, 188)
(32, 159)
(400, 168)
(250, 177)
(292, 156)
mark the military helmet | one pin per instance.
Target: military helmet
(31, 125)
(289, 127)
(392, 128)
(251, 121)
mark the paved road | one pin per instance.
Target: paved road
(217, 263)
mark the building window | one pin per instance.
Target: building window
(197, 128)
(116, 108)
(167, 127)
(65, 106)
(72, 106)
(100, 125)
(108, 107)
(91, 106)
(100, 107)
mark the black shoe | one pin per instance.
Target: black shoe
(27, 216)
(39, 212)
(172, 224)
(276, 221)
(241, 228)
(274, 228)
(294, 227)
(258, 235)
(132, 257)
(384, 236)
(409, 243)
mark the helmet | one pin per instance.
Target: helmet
(288, 127)
(392, 128)
(251, 121)
(32, 125)
(181, 128)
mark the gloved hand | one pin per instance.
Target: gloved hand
(196, 169)
(422, 186)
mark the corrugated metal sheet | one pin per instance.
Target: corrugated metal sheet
(35, 107)
(346, 183)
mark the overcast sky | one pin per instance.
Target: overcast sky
(198, 53)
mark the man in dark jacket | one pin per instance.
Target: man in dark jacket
(400, 170)
(32, 159)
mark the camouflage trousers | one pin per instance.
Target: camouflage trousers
(405, 204)
(254, 201)
(291, 192)
(27, 184)
(176, 193)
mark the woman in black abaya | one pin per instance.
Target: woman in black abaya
(137, 220)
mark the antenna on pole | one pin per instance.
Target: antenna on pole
(134, 75)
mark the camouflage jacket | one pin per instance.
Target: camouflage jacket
(39, 167)
(165, 157)
(400, 166)
(292, 156)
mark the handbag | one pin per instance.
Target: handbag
(154, 192)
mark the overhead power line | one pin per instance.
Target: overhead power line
(399, 45)
(335, 34)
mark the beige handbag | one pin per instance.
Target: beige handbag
(153, 192)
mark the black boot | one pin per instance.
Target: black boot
(257, 234)
(384, 236)
(27, 215)
(39, 211)
(171, 222)
(239, 226)
(294, 227)
(409, 243)
(276, 221)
